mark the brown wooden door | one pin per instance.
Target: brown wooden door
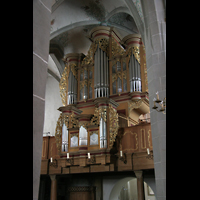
(80, 195)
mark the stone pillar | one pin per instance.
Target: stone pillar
(140, 185)
(41, 33)
(53, 187)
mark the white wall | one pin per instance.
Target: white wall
(52, 103)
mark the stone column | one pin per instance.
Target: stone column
(41, 33)
(53, 187)
(140, 185)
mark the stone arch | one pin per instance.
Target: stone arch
(117, 187)
(115, 192)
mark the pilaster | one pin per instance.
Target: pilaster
(53, 187)
(140, 184)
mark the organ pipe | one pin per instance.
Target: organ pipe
(134, 73)
(101, 73)
(72, 88)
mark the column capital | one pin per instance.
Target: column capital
(138, 173)
(53, 177)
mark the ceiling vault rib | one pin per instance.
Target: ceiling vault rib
(53, 74)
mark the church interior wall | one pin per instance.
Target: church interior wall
(154, 39)
(52, 102)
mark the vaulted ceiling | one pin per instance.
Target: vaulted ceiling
(72, 20)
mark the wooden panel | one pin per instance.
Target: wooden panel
(45, 147)
(44, 166)
(53, 151)
(141, 162)
(137, 138)
(99, 168)
(81, 193)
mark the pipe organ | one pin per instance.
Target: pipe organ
(101, 92)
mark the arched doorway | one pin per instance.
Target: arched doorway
(126, 189)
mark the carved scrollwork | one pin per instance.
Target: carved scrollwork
(63, 85)
(134, 104)
(58, 132)
(103, 44)
(102, 113)
(95, 118)
(113, 116)
(89, 58)
(116, 48)
(98, 114)
(136, 52)
(74, 121)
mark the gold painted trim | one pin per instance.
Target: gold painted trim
(149, 132)
(136, 138)
(143, 146)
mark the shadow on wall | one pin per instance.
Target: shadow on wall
(126, 188)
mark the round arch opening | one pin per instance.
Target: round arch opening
(126, 189)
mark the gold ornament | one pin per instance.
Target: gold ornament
(113, 115)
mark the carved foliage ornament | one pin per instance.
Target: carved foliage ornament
(63, 118)
(134, 104)
(116, 48)
(103, 44)
(63, 85)
(113, 125)
(98, 114)
(58, 132)
(136, 53)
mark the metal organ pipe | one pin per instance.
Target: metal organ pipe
(100, 73)
(72, 88)
(134, 71)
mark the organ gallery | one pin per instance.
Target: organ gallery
(104, 123)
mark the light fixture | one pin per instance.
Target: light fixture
(123, 157)
(149, 156)
(70, 160)
(91, 160)
(161, 103)
(53, 162)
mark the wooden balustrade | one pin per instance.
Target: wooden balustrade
(132, 141)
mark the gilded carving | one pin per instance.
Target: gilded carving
(74, 121)
(63, 85)
(95, 118)
(58, 133)
(91, 132)
(89, 58)
(143, 138)
(113, 116)
(124, 74)
(98, 113)
(136, 52)
(134, 104)
(116, 48)
(73, 68)
(103, 44)
(73, 134)
(149, 138)
(102, 113)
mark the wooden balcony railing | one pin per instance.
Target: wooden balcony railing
(132, 141)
